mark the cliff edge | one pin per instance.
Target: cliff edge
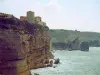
(24, 45)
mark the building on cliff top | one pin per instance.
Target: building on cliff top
(31, 18)
(22, 18)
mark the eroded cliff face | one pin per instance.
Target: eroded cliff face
(12, 57)
(39, 48)
(23, 46)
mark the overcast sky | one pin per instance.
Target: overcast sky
(83, 15)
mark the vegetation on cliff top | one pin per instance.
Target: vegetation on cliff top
(60, 35)
(63, 39)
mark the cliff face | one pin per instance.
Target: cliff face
(39, 49)
(12, 57)
(23, 46)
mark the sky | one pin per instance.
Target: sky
(82, 15)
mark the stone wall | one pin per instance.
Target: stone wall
(23, 46)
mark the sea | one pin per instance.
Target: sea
(74, 63)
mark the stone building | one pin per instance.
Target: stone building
(43, 23)
(38, 20)
(30, 16)
(22, 18)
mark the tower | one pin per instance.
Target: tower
(30, 16)
(38, 20)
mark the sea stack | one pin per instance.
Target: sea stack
(84, 46)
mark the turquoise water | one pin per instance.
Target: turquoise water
(74, 63)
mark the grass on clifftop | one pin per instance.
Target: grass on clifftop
(61, 35)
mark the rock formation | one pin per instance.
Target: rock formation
(57, 61)
(84, 46)
(23, 45)
(75, 44)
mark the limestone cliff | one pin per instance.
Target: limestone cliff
(23, 46)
